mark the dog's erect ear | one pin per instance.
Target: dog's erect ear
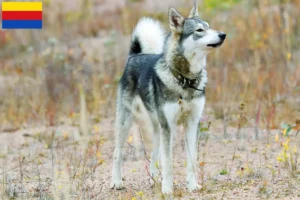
(175, 20)
(194, 11)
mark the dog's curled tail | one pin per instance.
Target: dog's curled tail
(148, 37)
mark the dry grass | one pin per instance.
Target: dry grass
(64, 79)
(53, 163)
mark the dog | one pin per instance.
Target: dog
(167, 72)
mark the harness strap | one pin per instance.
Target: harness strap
(186, 82)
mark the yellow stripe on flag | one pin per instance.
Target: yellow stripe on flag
(22, 6)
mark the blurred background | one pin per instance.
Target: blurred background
(68, 71)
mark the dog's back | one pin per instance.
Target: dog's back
(147, 45)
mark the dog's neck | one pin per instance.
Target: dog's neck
(197, 60)
(188, 63)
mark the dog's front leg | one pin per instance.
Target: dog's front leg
(192, 143)
(167, 120)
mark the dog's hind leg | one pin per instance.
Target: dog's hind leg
(166, 145)
(155, 150)
(192, 143)
(123, 124)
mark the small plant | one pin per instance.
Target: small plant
(288, 154)
(254, 150)
(263, 190)
(223, 172)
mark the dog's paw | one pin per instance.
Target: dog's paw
(154, 172)
(167, 188)
(118, 185)
(193, 187)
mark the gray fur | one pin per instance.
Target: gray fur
(151, 78)
(194, 11)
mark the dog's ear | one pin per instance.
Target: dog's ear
(194, 11)
(176, 20)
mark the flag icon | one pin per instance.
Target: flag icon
(22, 15)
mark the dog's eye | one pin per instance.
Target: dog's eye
(199, 30)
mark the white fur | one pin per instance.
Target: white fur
(156, 142)
(122, 132)
(151, 36)
(197, 60)
(196, 50)
(192, 143)
(172, 113)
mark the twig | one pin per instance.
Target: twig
(40, 186)
(147, 170)
(3, 178)
(21, 176)
(84, 163)
(257, 122)
(241, 108)
(203, 160)
(94, 196)
(145, 151)
(14, 168)
(225, 124)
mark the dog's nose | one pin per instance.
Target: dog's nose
(222, 36)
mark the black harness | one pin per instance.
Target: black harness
(186, 82)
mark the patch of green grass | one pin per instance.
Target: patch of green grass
(223, 172)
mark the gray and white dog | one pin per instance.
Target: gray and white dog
(167, 72)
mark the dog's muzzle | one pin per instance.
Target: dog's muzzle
(222, 37)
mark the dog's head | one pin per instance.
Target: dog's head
(194, 34)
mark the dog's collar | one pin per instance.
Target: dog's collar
(186, 82)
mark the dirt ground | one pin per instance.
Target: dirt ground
(58, 163)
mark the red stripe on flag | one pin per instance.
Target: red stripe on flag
(22, 15)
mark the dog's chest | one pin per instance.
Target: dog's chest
(179, 111)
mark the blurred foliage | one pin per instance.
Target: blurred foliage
(88, 45)
(219, 4)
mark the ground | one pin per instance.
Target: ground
(53, 162)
